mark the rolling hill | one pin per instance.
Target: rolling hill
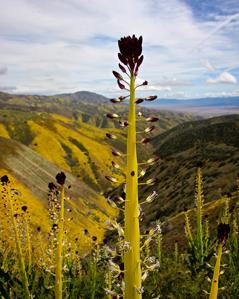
(212, 141)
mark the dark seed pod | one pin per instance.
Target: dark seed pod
(117, 75)
(151, 98)
(123, 69)
(139, 101)
(111, 179)
(115, 101)
(150, 129)
(121, 86)
(116, 153)
(152, 119)
(110, 136)
(145, 140)
(112, 115)
(115, 165)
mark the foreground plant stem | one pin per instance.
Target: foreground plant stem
(19, 248)
(59, 258)
(214, 286)
(199, 202)
(132, 233)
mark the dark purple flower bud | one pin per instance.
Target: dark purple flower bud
(116, 153)
(115, 101)
(117, 75)
(112, 115)
(140, 60)
(223, 231)
(139, 101)
(145, 140)
(151, 98)
(111, 179)
(110, 136)
(123, 69)
(149, 129)
(144, 83)
(122, 59)
(115, 165)
(152, 119)
(60, 178)
(52, 186)
(24, 208)
(5, 179)
(130, 51)
(121, 86)
(122, 98)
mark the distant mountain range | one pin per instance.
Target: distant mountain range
(212, 102)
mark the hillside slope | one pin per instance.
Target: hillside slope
(215, 143)
(30, 175)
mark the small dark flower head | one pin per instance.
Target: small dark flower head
(54, 226)
(5, 179)
(130, 52)
(51, 186)
(199, 164)
(223, 231)
(60, 178)
(24, 208)
(94, 238)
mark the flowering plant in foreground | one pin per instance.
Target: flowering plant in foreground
(131, 58)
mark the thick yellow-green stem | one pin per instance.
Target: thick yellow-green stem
(59, 258)
(132, 233)
(19, 248)
(214, 286)
(199, 202)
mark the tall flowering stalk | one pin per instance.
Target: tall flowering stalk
(60, 177)
(13, 215)
(131, 58)
(222, 232)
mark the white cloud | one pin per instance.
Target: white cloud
(224, 77)
(74, 42)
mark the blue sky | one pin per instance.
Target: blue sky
(191, 47)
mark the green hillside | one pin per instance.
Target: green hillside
(213, 142)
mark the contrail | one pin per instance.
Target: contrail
(218, 28)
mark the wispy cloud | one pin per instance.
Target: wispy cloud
(225, 78)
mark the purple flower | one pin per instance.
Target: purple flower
(130, 52)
